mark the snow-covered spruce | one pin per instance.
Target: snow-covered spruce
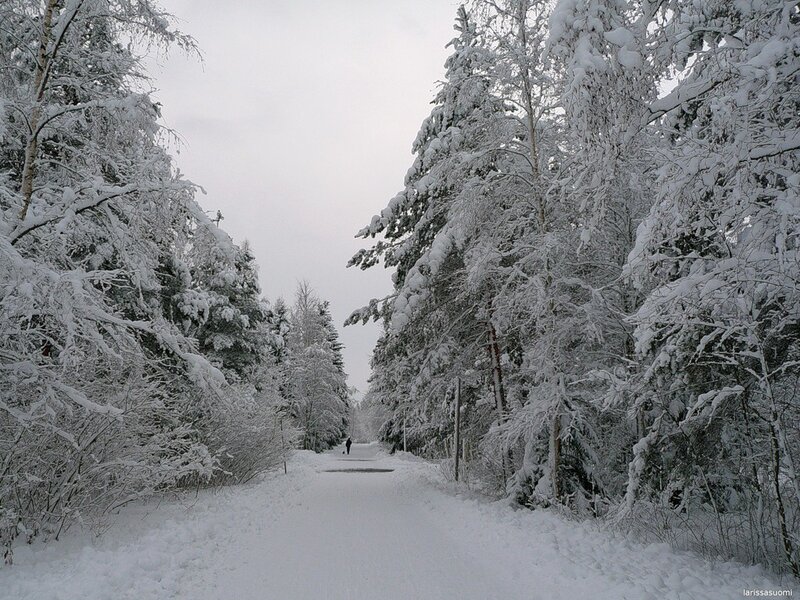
(599, 236)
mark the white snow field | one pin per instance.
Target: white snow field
(317, 534)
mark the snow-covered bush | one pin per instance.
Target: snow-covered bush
(249, 434)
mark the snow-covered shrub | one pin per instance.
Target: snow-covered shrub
(86, 424)
(249, 433)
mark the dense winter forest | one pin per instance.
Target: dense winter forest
(136, 352)
(600, 237)
(595, 256)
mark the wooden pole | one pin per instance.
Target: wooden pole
(457, 449)
(405, 447)
(283, 448)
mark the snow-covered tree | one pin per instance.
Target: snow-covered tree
(433, 317)
(315, 379)
(717, 258)
(225, 283)
(104, 395)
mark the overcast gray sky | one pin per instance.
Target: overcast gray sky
(299, 125)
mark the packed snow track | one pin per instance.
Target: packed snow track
(364, 526)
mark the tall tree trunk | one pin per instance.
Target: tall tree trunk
(531, 116)
(43, 60)
(531, 120)
(555, 441)
(776, 471)
(457, 436)
(555, 454)
(499, 390)
(780, 453)
(497, 374)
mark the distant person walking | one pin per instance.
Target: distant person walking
(348, 443)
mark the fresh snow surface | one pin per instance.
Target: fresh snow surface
(356, 535)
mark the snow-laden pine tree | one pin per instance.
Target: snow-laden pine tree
(316, 384)
(226, 284)
(436, 327)
(279, 325)
(222, 310)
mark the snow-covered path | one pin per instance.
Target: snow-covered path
(359, 535)
(323, 533)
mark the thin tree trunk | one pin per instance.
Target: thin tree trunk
(531, 117)
(457, 453)
(39, 86)
(283, 449)
(780, 446)
(405, 445)
(777, 425)
(776, 470)
(555, 454)
(497, 374)
(531, 121)
(555, 442)
(499, 390)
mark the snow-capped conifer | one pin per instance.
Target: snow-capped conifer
(316, 385)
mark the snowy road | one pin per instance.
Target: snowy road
(359, 534)
(328, 531)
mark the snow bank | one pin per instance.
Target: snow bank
(155, 550)
(556, 558)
